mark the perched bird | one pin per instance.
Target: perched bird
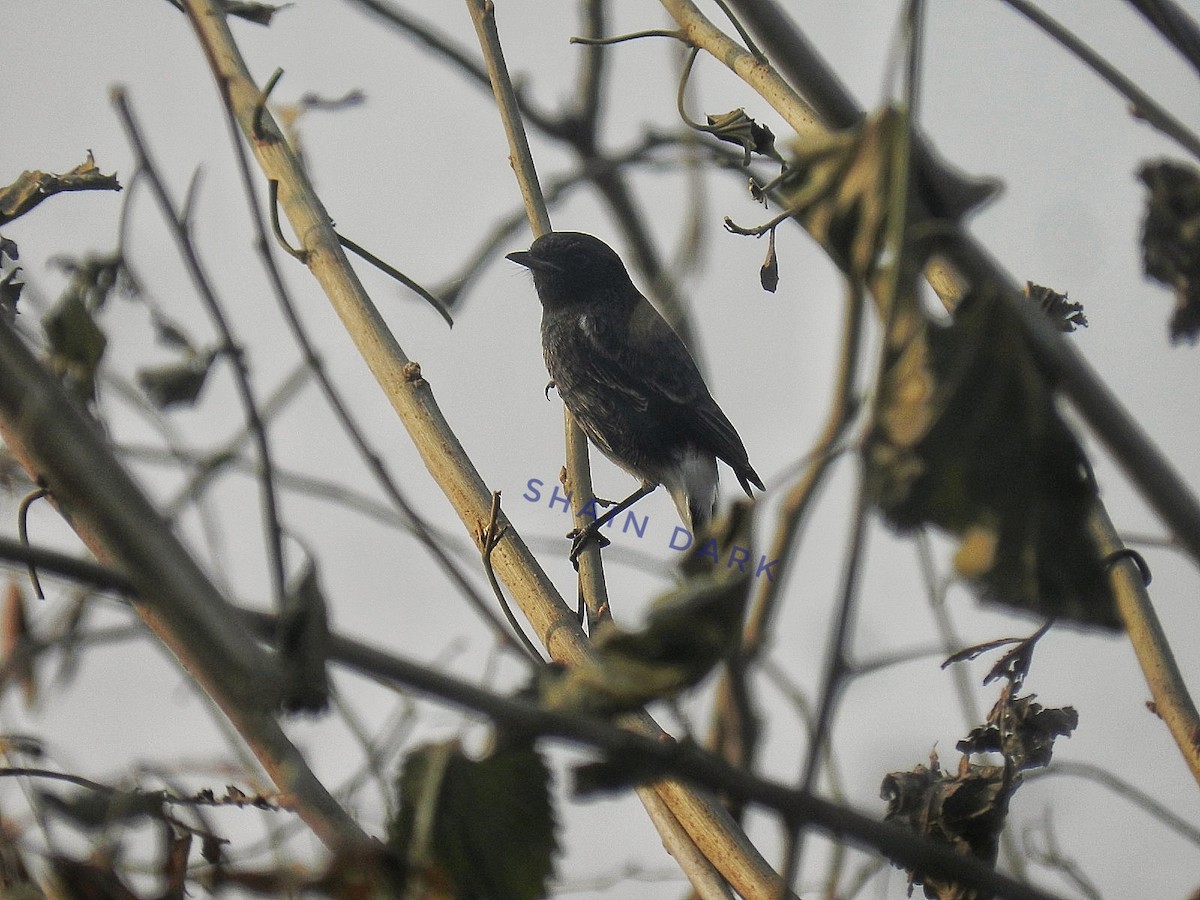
(628, 379)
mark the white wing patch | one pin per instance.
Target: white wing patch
(587, 326)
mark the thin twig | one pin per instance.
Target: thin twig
(899, 844)
(23, 533)
(1144, 106)
(341, 409)
(489, 538)
(276, 228)
(395, 273)
(837, 665)
(1174, 24)
(182, 234)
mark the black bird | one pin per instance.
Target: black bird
(628, 379)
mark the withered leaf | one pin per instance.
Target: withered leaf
(303, 643)
(1171, 239)
(735, 127)
(966, 437)
(1021, 729)
(965, 811)
(688, 631)
(177, 384)
(768, 275)
(1066, 315)
(32, 187)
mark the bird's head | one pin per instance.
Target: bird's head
(572, 268)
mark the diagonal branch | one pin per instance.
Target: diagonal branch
(43, 429)
(1142, 461)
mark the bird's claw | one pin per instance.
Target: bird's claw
(580, 538)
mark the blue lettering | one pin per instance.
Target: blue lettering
(589, 510)
(533, 495)
(738, 556)
(556, 497)
(685, 534)
(709, 550)
(631, 519)
(764, 566)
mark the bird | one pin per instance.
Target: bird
(629, 380)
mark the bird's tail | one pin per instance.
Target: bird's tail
(693, 487)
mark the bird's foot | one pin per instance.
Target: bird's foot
(581, 537)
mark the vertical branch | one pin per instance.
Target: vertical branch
(695, 817)
(579, 474)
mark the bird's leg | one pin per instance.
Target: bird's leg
(580, 537)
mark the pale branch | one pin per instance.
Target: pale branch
(400, 378)
(696, 818)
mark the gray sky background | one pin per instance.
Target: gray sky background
(418, 174)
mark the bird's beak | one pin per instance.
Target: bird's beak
(531, 262)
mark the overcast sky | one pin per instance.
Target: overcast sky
(419, 173)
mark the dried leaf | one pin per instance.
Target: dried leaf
(1171, 239)
(475, 830)
(768, 275)
(688, 631)
(1065, 314)
(967, 437)
(735, 127)
(303, 643)
(32, 187)
(1021, 729)
(178, 384)
(965, 811)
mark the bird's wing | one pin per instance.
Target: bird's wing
(651, 368)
